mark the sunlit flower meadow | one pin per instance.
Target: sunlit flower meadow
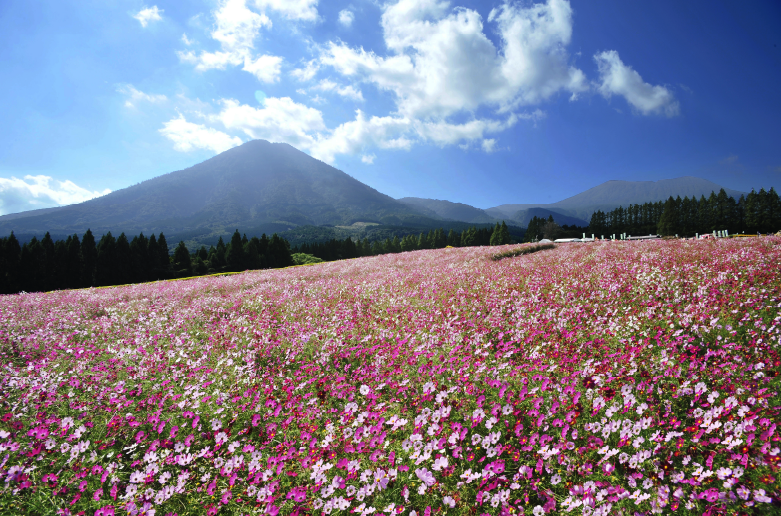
(594, 379)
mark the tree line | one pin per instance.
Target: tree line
(540, 227)
(337, 249)
(44, 265)
(757, 212)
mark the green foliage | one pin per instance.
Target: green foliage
(305, 259)
(182, 264)
(520, 251)
(758, 212)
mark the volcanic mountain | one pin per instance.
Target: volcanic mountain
(255, 185)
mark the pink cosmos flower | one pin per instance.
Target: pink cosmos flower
(425, 476)
(297, 494)
(226, 496)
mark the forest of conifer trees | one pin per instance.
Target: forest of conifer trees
(757, 212)
(336, 249)
(44, 265)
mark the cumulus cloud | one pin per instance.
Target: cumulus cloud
(188, 136)
(236, 28)
(451, 84)
(368, 159)
(278, 120)
(308, 72)
(147, 15)
(441, 62)
(34, 192)
(187, 41)
(489, 145)
(284, 120)
(134, 96)
(387, 132)
(291, 9)
(344, 91)
(266, 68)
(346, 17)
(620, 79)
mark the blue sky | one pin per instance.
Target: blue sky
(481, 102)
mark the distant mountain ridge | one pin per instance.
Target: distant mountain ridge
(449, 210)
(612, 194)
(272, 187)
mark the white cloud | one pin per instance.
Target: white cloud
(134, 95)
(620, 79)
(188, 136)
(187, 41)
(306, 73)
(34, 192)
(278, 120)
(147, 15)
(266, 68)
(442, 132)
(236, 28)
(352, 137)
(344, 91)
(368, 159)
(292, 9)
(187, 57)
(442, 63)
(346, 17)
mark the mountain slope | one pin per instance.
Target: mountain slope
(449, 210)
(522, 217)
(253, 184)
(612, 194)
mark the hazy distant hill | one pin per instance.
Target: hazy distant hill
(449, 210)
(522, 217)
(256, 184)
(613, 194)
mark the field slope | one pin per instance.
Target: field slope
(607, 378)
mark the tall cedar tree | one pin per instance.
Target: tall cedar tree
(164, 257)
(89, 257)
(236, 253)
(182, 262)
(11, 272)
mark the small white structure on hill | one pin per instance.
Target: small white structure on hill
(647, 237)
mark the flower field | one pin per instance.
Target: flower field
(606, 378)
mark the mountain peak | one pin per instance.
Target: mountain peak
(255, 183)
